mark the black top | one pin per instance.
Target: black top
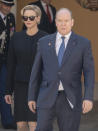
(21, 56)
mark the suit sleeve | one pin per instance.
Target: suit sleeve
(88, 71)
(12, 20)
(11, 63)
(35, 78)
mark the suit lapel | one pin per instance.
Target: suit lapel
(43, 11)
(2, 22)
(69, 49)
(51, 45)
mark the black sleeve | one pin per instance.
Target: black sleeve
(35, 78)
(11, 63)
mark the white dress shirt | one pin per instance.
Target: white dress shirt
(57, 46)
(3, 16)
(50, 10)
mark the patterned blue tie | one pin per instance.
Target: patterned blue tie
(61, 51)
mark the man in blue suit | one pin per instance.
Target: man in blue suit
(61, 59)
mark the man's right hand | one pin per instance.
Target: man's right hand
(8, 99)
(32, 106)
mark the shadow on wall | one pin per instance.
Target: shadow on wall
(89, 4)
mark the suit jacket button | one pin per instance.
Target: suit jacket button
(59, 73)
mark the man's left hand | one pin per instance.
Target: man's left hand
(87, 106)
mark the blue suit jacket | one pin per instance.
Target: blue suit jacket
(77, 59)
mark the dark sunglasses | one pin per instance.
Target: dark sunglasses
(31, 18)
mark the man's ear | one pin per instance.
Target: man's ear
(72, 22)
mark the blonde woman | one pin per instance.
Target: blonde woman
(21, 56)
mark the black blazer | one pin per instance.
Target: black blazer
(45, 25)
(21, 56)
(77, 59)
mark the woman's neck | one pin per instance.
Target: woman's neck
(32, 31)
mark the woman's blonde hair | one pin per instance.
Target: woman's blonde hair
(35, 8)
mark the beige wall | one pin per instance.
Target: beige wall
(86, 22)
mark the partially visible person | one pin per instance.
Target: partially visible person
(62, 57)
(47, 22)
(20, 61)
(7, 28)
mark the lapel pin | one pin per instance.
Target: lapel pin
(49, 44)
(10, 24)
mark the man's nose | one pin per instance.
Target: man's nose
(8, 7)
(63, 23)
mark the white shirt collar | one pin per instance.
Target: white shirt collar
(43, 3)
(66, 36)
(2, 15)
(45, 9)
